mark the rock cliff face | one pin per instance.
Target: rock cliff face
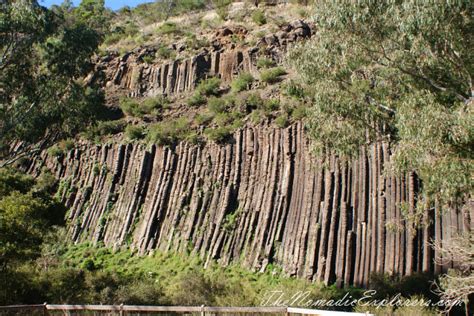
(132, 76)
(259, 199)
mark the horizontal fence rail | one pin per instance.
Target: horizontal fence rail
(123, 309)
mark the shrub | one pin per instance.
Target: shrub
(209, 86)
(110, 127)
(154, 104)
(133, 132)
(237, 123)
(230, 220)
(216, 105)
(195, 43)
(271, 105)
(192, 138)
(224, 119)
(88, 264)
(168, 132)
(257, 116)
(253, 101)
(148, 59)
(147, 106)
(219, 134)
(112, 38)
(264, 62)
(168, 28)
(222, 8)
(272, 75)
(204, 118)
(143, 291)
(67, 144)
(46, 182)
(299, 113)
(131, 107)
(294, 90)
(165, 52)
(55, 151)
(258, 16)
(196, 99)
(242, 82)
(304, 13)
(282, 121)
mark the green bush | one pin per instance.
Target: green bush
(168, 132)
(258, 16)
(165, 52)
(209, 86)
(168, 28)
(294, 90)
(272, 75)
(147, 106)
(67, 144)
(222, 8)
(192, 137)
(299, 113)
(141, 291)
(218, 134)
(217, 105)
(113, 38)
(238, 122)
(55, 151)
(204, 118)
(148, 59)
(242, 82)
(257, 116)
(282, 121)
(133, 132)
(253, 101)
(271, 105)
(46, 182)
(196, 99)
(110, 127)
(224, 119)
(264, 62)
(195, 43)
(131, 107)
(184, 6)
(154, 104)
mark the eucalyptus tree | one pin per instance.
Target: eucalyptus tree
(399, 71)
(43, 60)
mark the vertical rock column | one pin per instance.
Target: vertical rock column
(259, 199)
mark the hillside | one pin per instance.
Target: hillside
(231, 177)
(259, 141)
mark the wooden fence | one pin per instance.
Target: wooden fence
(47, 309)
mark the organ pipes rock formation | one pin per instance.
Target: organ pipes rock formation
(258, 199)
(130, 74)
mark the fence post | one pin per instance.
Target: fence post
(202, 311)
(121, 309)
(45, 308)
(287, 313)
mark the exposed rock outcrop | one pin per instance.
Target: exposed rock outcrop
(130, 75)
(260, 199)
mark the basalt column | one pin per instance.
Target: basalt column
(261, 198)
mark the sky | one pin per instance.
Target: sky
(112, 4)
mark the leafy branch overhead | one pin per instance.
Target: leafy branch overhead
(398, 72)
(44, 57)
